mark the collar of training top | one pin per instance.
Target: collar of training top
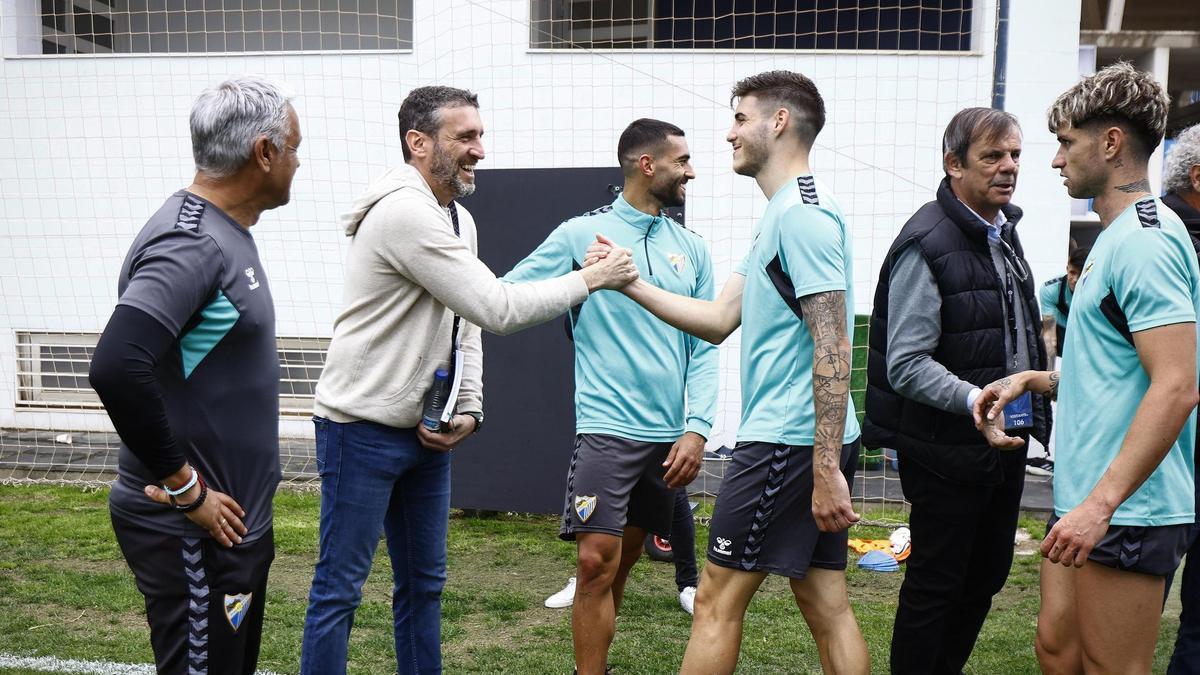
(633, 216)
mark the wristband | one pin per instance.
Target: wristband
(195, 503)
(186, 486)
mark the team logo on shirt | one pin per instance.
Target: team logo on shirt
(678, 262)
(585, 506)
(236, 607)
(1086, 271)
(250, 275)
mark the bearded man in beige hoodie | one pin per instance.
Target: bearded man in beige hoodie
(416, 296)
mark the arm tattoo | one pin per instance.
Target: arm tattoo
(1142, 185)
(1052, 390)
(825, 315)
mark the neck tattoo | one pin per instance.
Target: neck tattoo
(1142, 185)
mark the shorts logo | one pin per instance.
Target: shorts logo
(236, 607)
(722, 547)
(253, 281)
(678, 262)
(585, 507)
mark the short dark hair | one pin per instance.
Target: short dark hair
(420, 110)
(640, 136)
(792, 90)
(971, 124)
(1078, 256)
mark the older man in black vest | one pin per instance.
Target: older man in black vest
(964, 313)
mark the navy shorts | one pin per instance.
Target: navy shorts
(1133, 548)
(614, 482)
(763, 518)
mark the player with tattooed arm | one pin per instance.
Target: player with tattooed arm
(784, 504)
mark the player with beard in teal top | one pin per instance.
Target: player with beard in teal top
(642, 427)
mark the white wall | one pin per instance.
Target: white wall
(1043, 62)
(89, 147)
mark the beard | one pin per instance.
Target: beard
(667, 194)
(1087, 181)
(754, 154)
(1084, 186)
(445, 169)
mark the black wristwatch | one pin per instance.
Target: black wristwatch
(478, 420)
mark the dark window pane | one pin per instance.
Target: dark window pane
(752, 24)
(199, 26)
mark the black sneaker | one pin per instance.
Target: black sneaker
(1039, 466)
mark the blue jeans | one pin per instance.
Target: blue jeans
(377, 479)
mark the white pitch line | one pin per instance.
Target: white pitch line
(51, 664)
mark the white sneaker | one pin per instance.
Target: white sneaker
(687, 599)
(563, 598)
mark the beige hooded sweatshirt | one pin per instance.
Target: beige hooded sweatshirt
(407, 274)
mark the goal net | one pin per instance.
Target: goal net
(95, 94)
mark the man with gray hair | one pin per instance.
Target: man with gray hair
(416, 296)
(1124, 499)
(188, 371)
(1181, 180)
(963, 312)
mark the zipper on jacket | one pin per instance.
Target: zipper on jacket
(646, 246)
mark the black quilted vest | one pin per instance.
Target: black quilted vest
(954, 243)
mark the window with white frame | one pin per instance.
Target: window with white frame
(52, 371)
(213, 26)
(888, 25)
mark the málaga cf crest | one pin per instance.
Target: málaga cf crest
(585, 507)
(236, 607)
(678, 262)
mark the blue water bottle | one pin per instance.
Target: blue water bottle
(435, 400)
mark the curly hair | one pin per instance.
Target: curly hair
(1183, 156)
(1118, 95)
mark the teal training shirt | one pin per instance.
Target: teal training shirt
(1048, 299)
(1142, 271)
(634, 373)
(802, 247)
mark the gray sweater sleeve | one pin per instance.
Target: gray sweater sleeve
(914, 328)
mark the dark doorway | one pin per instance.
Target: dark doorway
(519, 461)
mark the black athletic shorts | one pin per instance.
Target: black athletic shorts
(1132, 548)
(763, 520)
(204, 602)
(614, 482)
